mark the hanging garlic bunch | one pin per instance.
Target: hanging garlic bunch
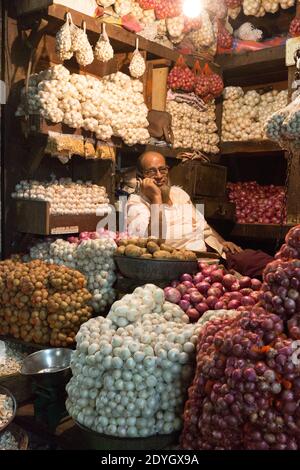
(82, 47)
(251, 7)
(63, 44)
(203, 37)
(175, 26)
(123, 7)
(270, 6)
(103, 50)
(137, 65)
(233, 13)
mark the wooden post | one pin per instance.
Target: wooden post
(293, 198)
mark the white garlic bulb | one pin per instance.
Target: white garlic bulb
(251, 7)
(203, 37)
(175, 26)
(137, 65)
(270, 6)
(123, 7)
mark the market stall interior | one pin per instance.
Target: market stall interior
(210, 89)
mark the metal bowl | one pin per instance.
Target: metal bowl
(5, 391)
(51, 365)
(153, 269)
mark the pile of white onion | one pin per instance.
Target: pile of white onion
(65, 196)
(245, 114)
(194, 129)
(132, 369)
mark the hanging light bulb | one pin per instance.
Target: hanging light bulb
(192, 8)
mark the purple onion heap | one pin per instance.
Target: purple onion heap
(246, 389)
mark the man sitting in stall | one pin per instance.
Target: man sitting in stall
(158, 209)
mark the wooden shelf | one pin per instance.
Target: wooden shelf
(260, 231)
(264, 146)
(40, 126)
(34, 217)
(249, 68)
(121, 39)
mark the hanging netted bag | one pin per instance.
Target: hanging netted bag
(81, 46)
(225, 39)
(192, 24)
(181, 77)
(123, 7)
(215, 80)
(168, 9)
(137, 65)
(270, 6)
(294, 29)
(202, 84)
(204, 36)
(175, 26)
(251, 7)
(63, 42)
(148, 4)
(103, 50)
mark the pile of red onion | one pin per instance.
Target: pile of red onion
(246, 389)
(148, 4)
(212, 289)
(192, 24)
(168, 9)
(102, 233)
(181, 78)
(258, 204)
(291, 248)
(294, 29)
(225, 39)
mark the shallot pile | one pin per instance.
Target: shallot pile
(246, 389)
(42, 303)
(258, 204)
(212, 289)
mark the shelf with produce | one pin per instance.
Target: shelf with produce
(34, 217)
(36, 125)
(121, 39)
(249, 68)
(238, 147)
(260, 231)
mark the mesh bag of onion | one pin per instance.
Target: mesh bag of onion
(168, 9)
(225, 39)
(294, 29)
(246, 389)
(181, 77)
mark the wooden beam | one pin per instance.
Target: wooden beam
(264, 146)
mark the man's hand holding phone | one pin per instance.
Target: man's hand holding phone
(151, 191)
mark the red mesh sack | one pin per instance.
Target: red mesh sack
(225, 39)
(168, 9)
(148, 4)
(294, 30)
(181, 77)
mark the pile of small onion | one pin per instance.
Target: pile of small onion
(212, 289)
(246, 389)
(258, 204)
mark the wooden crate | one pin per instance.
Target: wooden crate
(217, 208)
(200, 179)
(34, 217)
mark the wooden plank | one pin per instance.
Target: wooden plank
(269, 58)
(264, 146)
(260, 231)
(34, 217)
(159, 88)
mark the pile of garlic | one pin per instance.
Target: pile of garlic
(113, 105)
(132, 369)
(65, 196)
(93, 258)
(194, 129)
(261, 7)
(245, 114)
